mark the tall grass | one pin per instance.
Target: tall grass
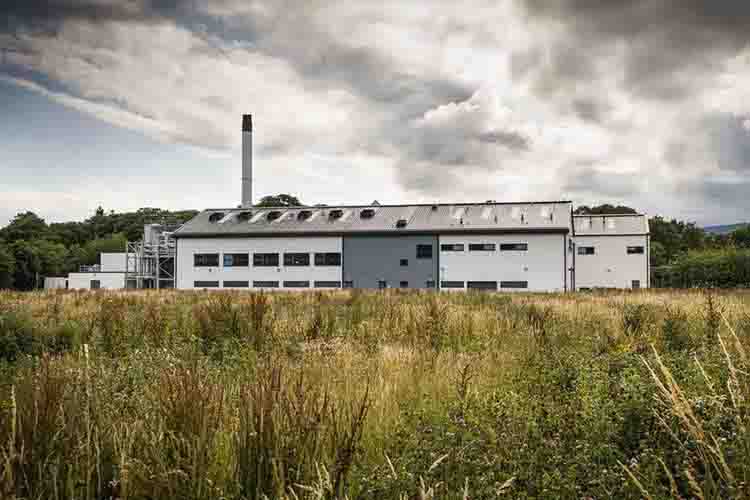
(232, 395)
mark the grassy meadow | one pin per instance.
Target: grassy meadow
(374, 395)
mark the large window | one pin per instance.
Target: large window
(403, 284)
(636, 250)
(514, 284)
(266, 284)
(236, 284)
(451, 284)
(206, 260)
(482, 247)
(328, 259)
(452, 247)
(265, 259)
(296, 259)
(95, 284)
(514, 247)
(424, 251)
(296, 284)
(206, 284)
(586, 251)
(236, 260)
(481, 285)
(327, 284)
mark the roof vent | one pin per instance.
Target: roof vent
(335, 214)
(273, 215)
(304, 214)
(367, 213)
(215, 217)
(244, 216)
(401, 223)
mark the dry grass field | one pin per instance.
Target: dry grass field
(374, 395)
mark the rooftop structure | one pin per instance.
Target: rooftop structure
(552, 216)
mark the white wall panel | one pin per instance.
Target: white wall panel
(611, 266)
(107, 281)
(543, 265)
(187, 274)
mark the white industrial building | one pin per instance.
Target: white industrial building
(537, 246)
(612, 251)
(530, 246)
(109, 274)
(488, 246)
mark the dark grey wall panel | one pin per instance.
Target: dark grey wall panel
(368, 260)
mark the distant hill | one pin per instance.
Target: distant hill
(725, 229)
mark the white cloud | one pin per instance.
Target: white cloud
(401, 99)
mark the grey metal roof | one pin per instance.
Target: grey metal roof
(553, 216)
(612, 225)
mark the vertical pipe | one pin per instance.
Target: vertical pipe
(247, 160)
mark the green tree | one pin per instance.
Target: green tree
(25, 226)
(7, 267)
(741, 237)
(280, 200)
(604, 209)
(658, 254)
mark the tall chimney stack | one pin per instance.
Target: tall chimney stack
(247, 160)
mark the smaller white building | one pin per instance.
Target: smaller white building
(109, 274)
(55, 283)
(611, 251)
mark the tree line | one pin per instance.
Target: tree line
(30, 248)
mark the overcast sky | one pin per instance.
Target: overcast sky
(131, 103)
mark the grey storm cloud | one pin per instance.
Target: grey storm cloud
(46, 12)
(669, 44)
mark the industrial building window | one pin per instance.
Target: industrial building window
(265, 260)
(514, 284)
(636, 284)
(206, 260)
(236, 284)
(206, 284)
(296, 259)
(404, 262)
(632, 250)
(327, 284)
(424, 251)
(452, 247)
(586, 251)
(296, 284)
(328, 259)
(382, 284)
(429, 284)
(266, 284)
(514, 247)
(481, 285)
(95, 284)
(348, 284)
(403, 284)
(236, 260)
(451, 284)
(482, 247)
